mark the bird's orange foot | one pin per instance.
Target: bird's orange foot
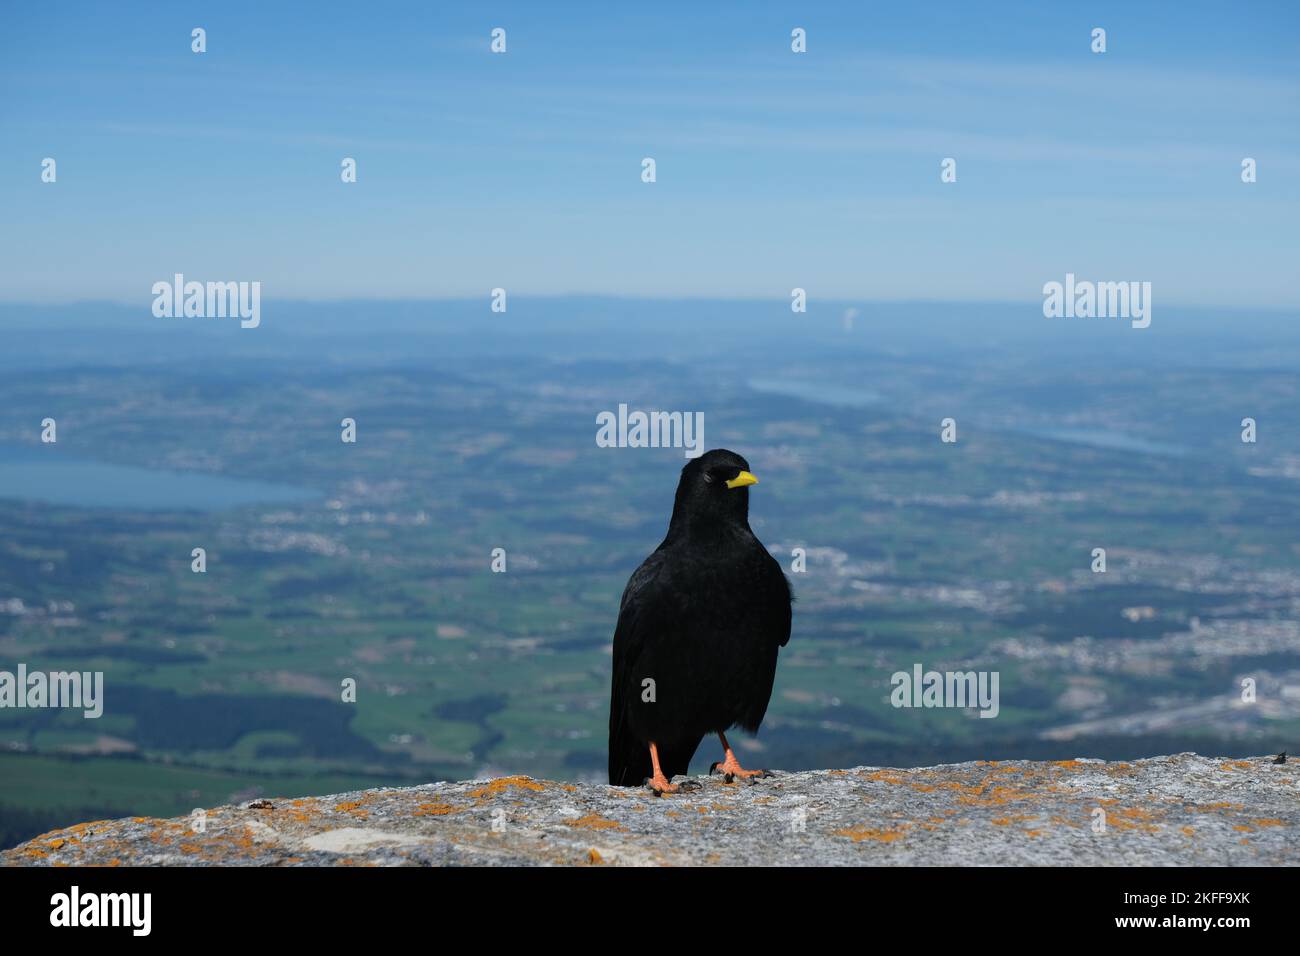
(659, 785)
(730, 769)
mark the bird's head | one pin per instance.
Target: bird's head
(714, 487)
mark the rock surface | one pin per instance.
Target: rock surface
(1177, 810)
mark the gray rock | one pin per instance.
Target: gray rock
(1177, 810)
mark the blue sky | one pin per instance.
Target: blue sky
(775, 170)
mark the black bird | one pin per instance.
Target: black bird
(698, 631)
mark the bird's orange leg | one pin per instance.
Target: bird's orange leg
(659, 783)
(730, 767)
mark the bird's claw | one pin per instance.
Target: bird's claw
(730, 775)
(661, 786)
(657, 788)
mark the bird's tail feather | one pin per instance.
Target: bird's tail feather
(629, 758)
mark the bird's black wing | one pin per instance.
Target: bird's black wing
(640, 614)
(783, 612)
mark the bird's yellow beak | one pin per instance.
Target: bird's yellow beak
(741, 480)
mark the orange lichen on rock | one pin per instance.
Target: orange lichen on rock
(1137, 813)
(885, 776)
(502, 784)
(860, 833)
(299, 816)
(80, 829)
(433, 810)
(1209, 807)
(1133, 818)
(593, 821)
(996, 796)
(355, 808)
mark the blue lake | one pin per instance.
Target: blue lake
(1099, 438)
(48, 475)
